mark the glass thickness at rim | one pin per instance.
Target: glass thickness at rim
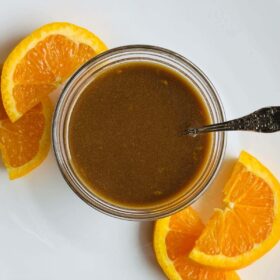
(85, 75)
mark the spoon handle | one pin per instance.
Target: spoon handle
(265, 120)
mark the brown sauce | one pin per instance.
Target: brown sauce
(124, 134)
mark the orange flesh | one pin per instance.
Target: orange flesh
(247, 219)
(182, 235)
(185, 228)
(20, 141)
(46, 66)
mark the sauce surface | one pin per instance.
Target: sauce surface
(124, 134)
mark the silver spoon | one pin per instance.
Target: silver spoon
(265, 120)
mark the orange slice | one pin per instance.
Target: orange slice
(42, 62)
(25, 143)
(174, 237)
(249, 226)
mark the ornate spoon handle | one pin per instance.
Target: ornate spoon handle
(265, 120)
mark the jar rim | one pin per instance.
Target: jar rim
(78, 81)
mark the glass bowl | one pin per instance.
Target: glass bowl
(84, 76)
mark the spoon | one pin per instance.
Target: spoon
(265, 120)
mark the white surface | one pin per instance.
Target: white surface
(46, 232)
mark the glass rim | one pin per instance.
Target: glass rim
(61, 115)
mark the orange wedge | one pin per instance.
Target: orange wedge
(249, 226)
(25, 143)
(42, 62)
(174, 237)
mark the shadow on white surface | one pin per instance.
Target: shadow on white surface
(213, 198)
(60, 211)
(146, 246)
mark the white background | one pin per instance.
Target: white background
(46, 232)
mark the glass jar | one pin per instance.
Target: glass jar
(85, 76)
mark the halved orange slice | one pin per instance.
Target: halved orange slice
(249, 226)
(25, 143)
(174, 237)
(43, 61)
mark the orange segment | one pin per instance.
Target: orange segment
(33, 93)
(174, 238)
(249, 226)
(25, 143)
(42, 62)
